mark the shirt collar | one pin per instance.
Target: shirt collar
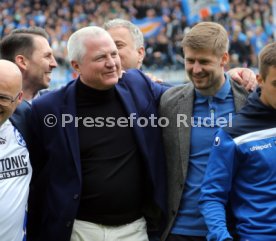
(221, 94)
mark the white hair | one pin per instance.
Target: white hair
(75, 45)
(134, 30)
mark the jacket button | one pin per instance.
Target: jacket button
(76, 196)
(173, 212)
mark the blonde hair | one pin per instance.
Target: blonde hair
(207, 35)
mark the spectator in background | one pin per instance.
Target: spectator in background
(129, 41)
(241, 167)
(257, 41)
(29, 49)
(15, 169)
(240, 47)
(160, 52)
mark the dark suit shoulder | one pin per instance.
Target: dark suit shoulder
(20, 118)
(138, 84)
(54, 96)
(133, 77)
(131, 72)
(21, 111)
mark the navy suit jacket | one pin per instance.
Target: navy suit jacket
(55, 154)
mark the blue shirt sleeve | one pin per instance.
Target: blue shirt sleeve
(217, 183)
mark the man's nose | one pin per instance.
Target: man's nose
(110, 62)
(197, 67)
(53, 62)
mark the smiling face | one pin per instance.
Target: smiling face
(268, 86)
(100, 66)
(205, 69)
(10, 87)
(131, 56)
(40, 64)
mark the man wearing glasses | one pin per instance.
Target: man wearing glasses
(15, 168)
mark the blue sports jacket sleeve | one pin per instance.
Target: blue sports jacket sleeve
(216, 186)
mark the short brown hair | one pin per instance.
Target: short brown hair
(207, 35)
(267, 58)
(20, 41)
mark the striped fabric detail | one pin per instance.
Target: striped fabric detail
(255, 136)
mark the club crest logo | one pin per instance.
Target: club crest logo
(217, 141)
(19, 138)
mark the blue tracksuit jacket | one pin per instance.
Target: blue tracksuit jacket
(242, 169)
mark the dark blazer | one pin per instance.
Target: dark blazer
(180, 100)
(57, 181)
(20, 118)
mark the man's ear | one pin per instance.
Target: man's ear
(260, 80)
(141, 52)
(21, 61)
(75, 66)
(224, 59)
(20, 97)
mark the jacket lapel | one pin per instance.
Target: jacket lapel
(127, 100)
(71, 132)
(185, 106)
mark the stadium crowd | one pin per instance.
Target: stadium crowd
(249, 24)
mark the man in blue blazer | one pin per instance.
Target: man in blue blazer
(96, 149)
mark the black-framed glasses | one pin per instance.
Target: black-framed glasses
(7, 100)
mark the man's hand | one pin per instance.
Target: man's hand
(244, 76)
(154, 78)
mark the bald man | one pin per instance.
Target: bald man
(15, 168)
